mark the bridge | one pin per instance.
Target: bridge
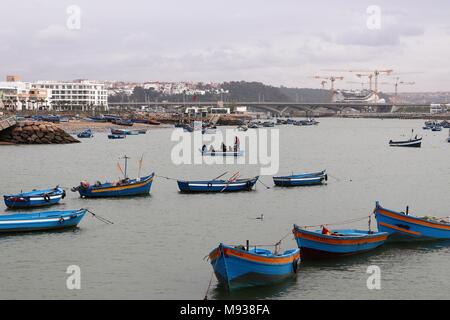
(275, 107)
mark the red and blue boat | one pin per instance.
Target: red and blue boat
(124, 188)
(324, 243)
(402, 226)
(305, 179)
(238, 267)
(35, 198)
(40, 221)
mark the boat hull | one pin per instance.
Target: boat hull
(216, 186)
(45, 221)
(237, 268)
(34, 199)
(314, 245)
(402, 227)
(301, 180)
(406, 144)
(141, 187)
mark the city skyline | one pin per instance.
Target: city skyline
(203, 42)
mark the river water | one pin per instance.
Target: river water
(155, 248)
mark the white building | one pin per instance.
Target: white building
(18, 95)
(438, 108)
(76, 95)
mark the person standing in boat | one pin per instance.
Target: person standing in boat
(204, 148)
(224, 147)
(237, 144)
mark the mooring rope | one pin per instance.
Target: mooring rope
(104, 220)
(267, 187)
(338, 223)
(167, 178)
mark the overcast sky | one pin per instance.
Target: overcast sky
(281, 42)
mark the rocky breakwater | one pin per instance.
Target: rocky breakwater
(29, 132)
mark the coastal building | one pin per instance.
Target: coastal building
(438, 108)
(80, 95)
(17, 95)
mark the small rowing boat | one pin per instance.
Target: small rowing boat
(39, 221)
(116, 136)
(123, 188)
(304, 179)
(404, 227)
(85, 134)
(36, 198)
(336, 243)
(216, 186)
(214, 153)
(238, 267)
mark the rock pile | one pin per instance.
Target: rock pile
(29, 132)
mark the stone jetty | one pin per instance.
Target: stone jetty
(30, 132)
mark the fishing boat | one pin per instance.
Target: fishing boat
(304, 179)
(123, 122)
(36, 198)
(324, 243)
(243, 128)
(436, 129)
(404, 227)
(85, 134)
(268, 124)
(217, 186)
(116, 136)
(415, 142)
(141, 131)
(121, 188)
(40, 221)
(238, 267)
(220, 153)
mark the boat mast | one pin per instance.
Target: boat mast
(126, 165)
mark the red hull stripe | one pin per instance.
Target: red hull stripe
(250, 257)
(338, 241)
(400, 229)
(405, 218)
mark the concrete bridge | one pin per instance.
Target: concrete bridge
(278, 108)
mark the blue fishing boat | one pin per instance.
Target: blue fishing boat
(238, 267)
(123, 188)
(116, 136)
(36, 198)
(124, 132)
(305, 179)
(39, 221)
(85, 134)
(217, 186)
(336, 243)
(402, 226)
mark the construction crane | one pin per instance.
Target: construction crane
(367, 75)
(375, 73)
(362, 83)
(332, 79)
(396, 84)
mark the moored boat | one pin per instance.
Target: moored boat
(122, 188)
(36, 198)
(412, 143)
(116, 136)
(305, 179)
(217, 186)
(40, 221)
(404, 227)
(324, 243)
(237, 267)
(85, 134)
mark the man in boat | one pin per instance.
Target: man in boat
(224, 148)
(237, 144)
(204, 148)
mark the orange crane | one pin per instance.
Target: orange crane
(332, 79)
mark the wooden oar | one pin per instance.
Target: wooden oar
(220, 176)
(233, 178)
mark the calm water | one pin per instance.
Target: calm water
(156, 247)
